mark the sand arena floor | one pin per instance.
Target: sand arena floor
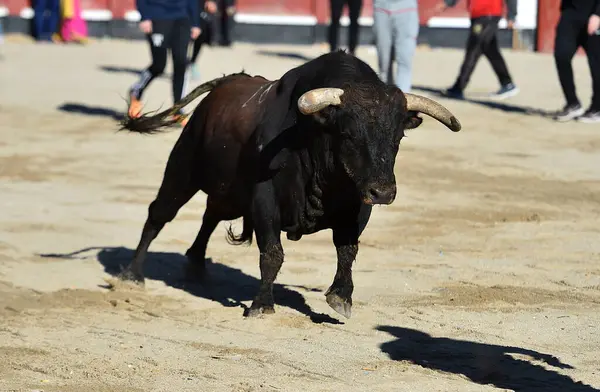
(482, 275)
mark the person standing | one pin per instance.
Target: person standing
(579, 26)
(168, 24)
(396, 26)
(485, 16)
(354, 8)
(46, 26)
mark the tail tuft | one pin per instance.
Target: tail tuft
(147, 124)
(244, 237)
(152, 123)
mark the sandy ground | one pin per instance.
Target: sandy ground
(482, 275)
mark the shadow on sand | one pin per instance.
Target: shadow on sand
(226, 285)
(286, 55)
(481, 363)
(78, 108)
(128, 70)
(505, 107)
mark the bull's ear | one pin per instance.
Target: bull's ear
(412, 120)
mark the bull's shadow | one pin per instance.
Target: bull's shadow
(227, 285)
(502, 106)
(481, 363)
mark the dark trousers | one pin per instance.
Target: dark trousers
(224, 21)
(483, 40)
(354, 8)
(166, 34)
(46, 24)
(207, 27)
(571, 33)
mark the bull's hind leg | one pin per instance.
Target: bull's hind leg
(216, 212)
(171, 197)
(196, 254)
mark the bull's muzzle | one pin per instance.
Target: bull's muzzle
(382, 194)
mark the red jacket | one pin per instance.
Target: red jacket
(478, 8)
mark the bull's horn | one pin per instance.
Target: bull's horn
(315, 100)
(428, 106)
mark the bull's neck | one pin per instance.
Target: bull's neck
(320, 169)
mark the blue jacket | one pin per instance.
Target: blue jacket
(170, 9)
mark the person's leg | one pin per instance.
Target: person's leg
(158, 49)
(354, 8)
(334, 25)
(472, 54)
(592, 49)
(565, 46)
(382, 29)
(224, 22)
(491, 50)
(180, 40)
(406, 28)
(54, 17)
(207, 26)
(39, 11)
(197, 46)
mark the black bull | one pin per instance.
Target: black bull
(313, 150)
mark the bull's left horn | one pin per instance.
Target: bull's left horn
(428, 106)
(315, 100)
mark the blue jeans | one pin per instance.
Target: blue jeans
(46, 25)
(396, 30)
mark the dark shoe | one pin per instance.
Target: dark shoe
(569, 113)
(591, 116)
(506, 91)
(453, 92)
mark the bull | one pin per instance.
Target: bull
(313, 150)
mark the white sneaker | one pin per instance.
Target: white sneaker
(590, 117)
(569, 112)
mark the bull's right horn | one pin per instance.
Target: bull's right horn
(315, 100)
(418, 103)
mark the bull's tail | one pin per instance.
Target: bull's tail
(150, 124)
(245, 236)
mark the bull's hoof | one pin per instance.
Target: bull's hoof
(129, 276)
(258, 310)
(340, 305)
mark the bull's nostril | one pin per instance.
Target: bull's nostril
(383, 195)
(374, 193)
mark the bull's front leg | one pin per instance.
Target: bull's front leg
(271, 259)
(339, 294)
(267, 227)
(345, 239)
